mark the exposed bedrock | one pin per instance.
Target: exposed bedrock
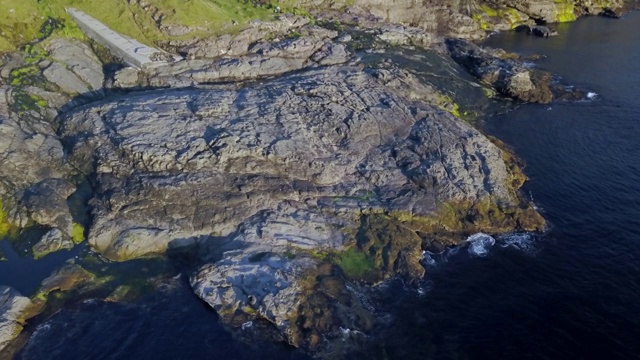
(178, 164)
(289, 189)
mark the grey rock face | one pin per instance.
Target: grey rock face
(12, 307)
(181, 164)
(31, 152)
(403, 35)
(46, 202)
(77, 70)
(469, 20)
(65, 79)
(263, 59)
(126, 78)
(263, 265)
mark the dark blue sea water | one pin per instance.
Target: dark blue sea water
(571, 293)
(575, 292)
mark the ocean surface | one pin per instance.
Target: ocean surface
(570, 293)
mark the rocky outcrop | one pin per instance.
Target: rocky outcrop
(36, 179)
(30, 151)
(507, 76)
(285, 188)
(263, 59)
(178, 164)
(471, 20)
(12, 308)
(46, 203)
(291, 190)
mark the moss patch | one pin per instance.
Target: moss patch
(565, 11)
(77, 233)
(6, 228)
(486, 16)
(354, 263)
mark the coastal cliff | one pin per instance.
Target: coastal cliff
(286, 174)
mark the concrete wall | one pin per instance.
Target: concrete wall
(131, 51)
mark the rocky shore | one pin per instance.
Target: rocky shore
(284, 174)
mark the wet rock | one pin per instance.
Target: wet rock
(12, 309)
(507, 76)
(52, 241)
(66, 278)
(543, 31)
(610, 13)
(267, 271)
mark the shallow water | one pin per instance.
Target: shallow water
(571, 293)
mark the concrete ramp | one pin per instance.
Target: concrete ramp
(131, 51)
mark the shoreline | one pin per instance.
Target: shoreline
(347, 201)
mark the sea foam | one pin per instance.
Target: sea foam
(520, 241)
(480, 243)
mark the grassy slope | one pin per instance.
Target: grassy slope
(20, 20)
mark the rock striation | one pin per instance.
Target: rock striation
(272, 181)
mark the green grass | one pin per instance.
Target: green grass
(354, 263)
(23, 21)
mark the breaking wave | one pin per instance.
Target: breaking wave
(522, 241)
(480, 244)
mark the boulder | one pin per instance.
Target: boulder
(543, 31)
(52, 241)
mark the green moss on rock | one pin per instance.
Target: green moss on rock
(77, 233)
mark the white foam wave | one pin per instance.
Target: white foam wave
(522, 241)
(591, 95)
(480, 244)
(427, 259)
